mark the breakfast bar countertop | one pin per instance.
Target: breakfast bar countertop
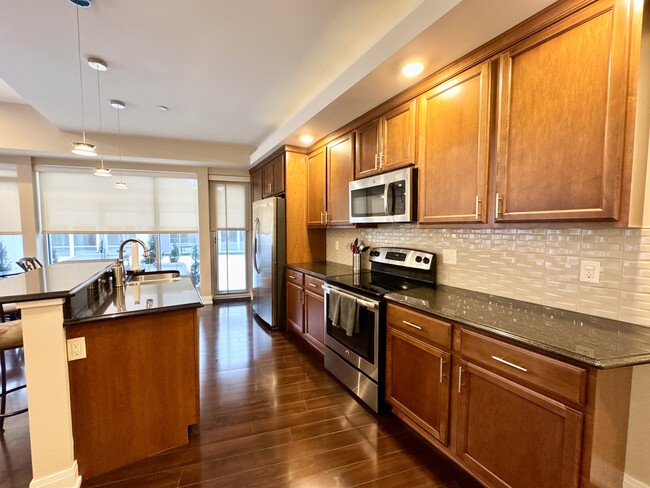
(594, 341)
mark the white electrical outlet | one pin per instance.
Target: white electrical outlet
(449, 256)
(590, 271)
(76, 348)
(336, 245)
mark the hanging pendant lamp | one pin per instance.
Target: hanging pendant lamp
(99, 65)
(119, 105)
(82, 148)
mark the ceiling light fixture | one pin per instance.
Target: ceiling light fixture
(81, 3)
(119, 105)
(412, 69)
(162, 108)
(97, 64)
(82, 148)
(101, 170)
(306, 139)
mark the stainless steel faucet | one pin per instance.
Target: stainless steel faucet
(118, 269)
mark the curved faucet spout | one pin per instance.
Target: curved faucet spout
(118, 269)
(147, 252)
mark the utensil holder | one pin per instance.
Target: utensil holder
(356, 263)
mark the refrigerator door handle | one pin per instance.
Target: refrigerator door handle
(256, 232)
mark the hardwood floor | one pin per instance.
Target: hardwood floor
(270, 417)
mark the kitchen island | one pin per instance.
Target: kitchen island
(136, 391)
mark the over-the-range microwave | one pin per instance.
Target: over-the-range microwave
(387, 197)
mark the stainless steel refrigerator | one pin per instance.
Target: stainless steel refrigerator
(268, 260)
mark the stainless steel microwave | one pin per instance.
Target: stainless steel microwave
(387, 197)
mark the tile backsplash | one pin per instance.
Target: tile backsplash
(540, 265)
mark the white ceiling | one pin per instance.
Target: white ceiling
(252, 72)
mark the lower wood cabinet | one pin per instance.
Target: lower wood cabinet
(510, 435)
(306, 307)
(510, 415)
(417, 383)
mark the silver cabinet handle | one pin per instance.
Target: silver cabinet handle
(497, 211)
(381, 160)
(412, 325)
(292, 277)
(376, 161)
(460, 378)
(312, 285)
(508, 363)
(322, 218)
(478, 208)
(327, 217)
(441, 361)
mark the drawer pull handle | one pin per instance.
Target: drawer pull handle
(412, 325)
(292, 277)
(311, 284)
(460, 378)
(441, 372)
(508, 363)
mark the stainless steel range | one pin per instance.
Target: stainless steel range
(355, 317)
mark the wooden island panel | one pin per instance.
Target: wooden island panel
(136, 393)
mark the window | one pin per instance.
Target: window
(11, 250)
(230, 227)
(11, 241)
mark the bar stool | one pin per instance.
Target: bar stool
(28, 263)
(11, 337)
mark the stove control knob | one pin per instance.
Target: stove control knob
(418, 259)
(426, 260)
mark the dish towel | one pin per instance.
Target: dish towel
(348, 319)
(334, 311)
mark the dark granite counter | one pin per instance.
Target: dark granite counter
(594, 341)
(106, 302)
(54, 281)
(322, 269)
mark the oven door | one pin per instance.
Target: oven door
(361, 349)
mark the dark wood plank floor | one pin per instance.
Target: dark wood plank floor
(270, 417)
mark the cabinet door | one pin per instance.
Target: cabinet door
(267, 180)
(417, 383)
(562, 120)
(340, 171)
(256, 185)
(512, 436)
(398, 137)
(454, 149)
(366, 161)
(316, 180)
(278, 174)
(295, 306)
(315, 320)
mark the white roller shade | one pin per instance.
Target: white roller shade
(230, 204)
(83, 203)
(9, 196)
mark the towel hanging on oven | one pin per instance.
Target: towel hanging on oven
(344, 312)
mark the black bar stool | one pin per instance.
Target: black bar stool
(11, 337)
(28, 263)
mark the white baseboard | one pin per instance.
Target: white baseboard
(206, 300)
(68, 478)
(629, 482)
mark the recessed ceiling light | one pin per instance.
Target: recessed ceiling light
(98, 64)
(118, 104)
(162, 108)
(306, 139)
(81, 3)
(413, 68)
(84, 149)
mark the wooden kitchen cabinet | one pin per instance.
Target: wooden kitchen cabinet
(330, 169)
(295, 300)
(417, 383)
(562, 119)
(454, 119)
(509, 435)
(273, 177)
(388, 142)
(256, 186)
(314, 313)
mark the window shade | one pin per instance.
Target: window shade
(83, 203)
(230, 205)
(9, 196)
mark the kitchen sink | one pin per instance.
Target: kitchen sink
(154, 277)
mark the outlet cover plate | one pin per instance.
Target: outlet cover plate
(590, 271)
(76, 348)
(449, 256)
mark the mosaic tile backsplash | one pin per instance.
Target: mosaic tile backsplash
(540, 265)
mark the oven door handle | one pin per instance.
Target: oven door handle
(360, 301)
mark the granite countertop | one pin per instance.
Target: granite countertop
(54, 281)
(322, 269)
(105, 302)
(594, 341)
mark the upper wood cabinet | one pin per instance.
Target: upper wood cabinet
(454, 148)
(273, 177)
(388, 142)
(256, 186)
(562, 119)
(330, 169)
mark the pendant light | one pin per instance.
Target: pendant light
(99, 65)
(82, 148)
(119, 105)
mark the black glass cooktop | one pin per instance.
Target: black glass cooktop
(373, 283)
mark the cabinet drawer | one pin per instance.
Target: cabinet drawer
(563, 379)
(419, 325)
(294, 276)
(314, 285)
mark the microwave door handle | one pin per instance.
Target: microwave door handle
(386, 198)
